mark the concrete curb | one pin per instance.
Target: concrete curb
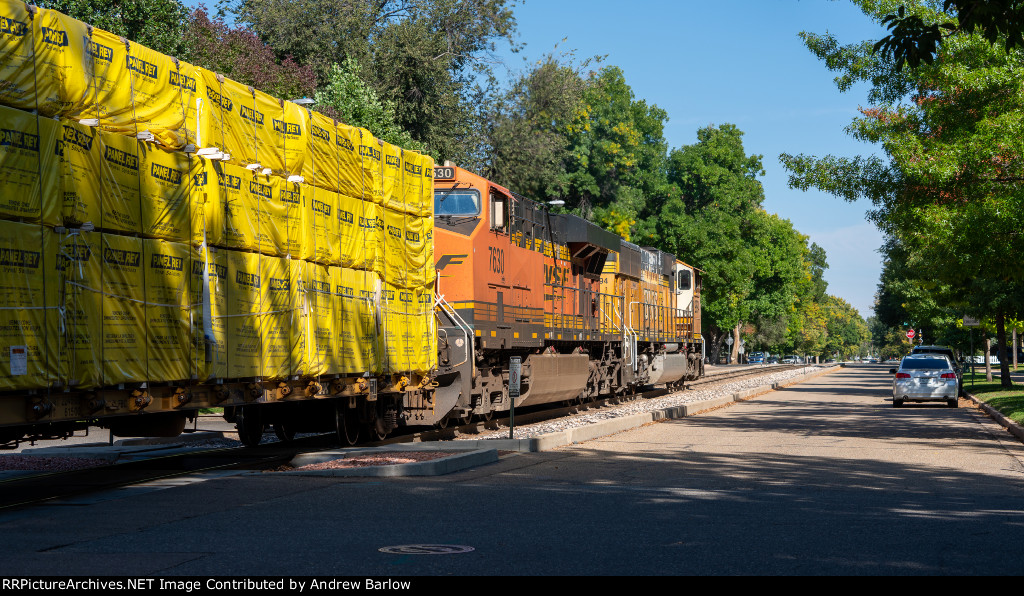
(1015, 429)
(472, 457)
(616, 425)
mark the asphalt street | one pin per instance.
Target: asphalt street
(825, 477)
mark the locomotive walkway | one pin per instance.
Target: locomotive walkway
(824, 477)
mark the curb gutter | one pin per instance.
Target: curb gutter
(1015, 429)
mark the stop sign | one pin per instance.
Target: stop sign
(910, 334)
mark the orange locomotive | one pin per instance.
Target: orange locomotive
(587, 313)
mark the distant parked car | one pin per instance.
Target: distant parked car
(756, 358)
(948, 353)
(790, 360)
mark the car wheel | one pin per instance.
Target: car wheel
(897, 403)
(951, 403)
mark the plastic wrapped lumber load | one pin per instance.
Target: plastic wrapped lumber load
(402, 332)
(156, 85)
(357, 294)
(321, 163)
(281, 219)
(372, 162)
(240, 124)
(319, 303)
(347, 141)
(245, 304)
(241, 206)
(209, 301)
(30, 180)
(167, 275)
(100, 173)
(392, 179)
(277, 321)
(321, 243)
(205, 205)
(191, 94)
(164, 192)
(41, 59)
(412, 180)
(361, 234)
(29, 289)
(426, 357)
(266, 114)
(408, 261)
(108, 103)
(426, 204)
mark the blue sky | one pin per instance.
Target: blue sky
(741, 62)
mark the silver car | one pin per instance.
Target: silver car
(925, 377)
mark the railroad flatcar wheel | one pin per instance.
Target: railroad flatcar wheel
(346, 425)
(376, 431)
(285, 432)
(249, 425)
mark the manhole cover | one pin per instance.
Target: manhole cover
(426, 549)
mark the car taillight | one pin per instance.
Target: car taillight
(902, 376)
(948, 375)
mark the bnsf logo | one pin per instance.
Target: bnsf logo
(169, 262)
(19, 139)
(12, 27)
(142, 67)
(182, 81)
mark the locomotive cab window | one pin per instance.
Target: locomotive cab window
(684, 280)
(499, 212)
(459, 202)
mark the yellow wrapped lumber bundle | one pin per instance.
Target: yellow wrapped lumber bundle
(30, 167)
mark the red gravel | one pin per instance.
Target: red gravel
(49, 464)
(389, 458)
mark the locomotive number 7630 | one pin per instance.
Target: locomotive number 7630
(497, 259)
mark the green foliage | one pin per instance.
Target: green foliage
(421, 56)
(346, 98)
(156, 24)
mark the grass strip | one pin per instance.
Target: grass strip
(1008, 402)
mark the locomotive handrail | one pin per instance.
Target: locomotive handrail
(459, 321)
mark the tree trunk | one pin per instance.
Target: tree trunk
(1004, 357)
(988, 361)
(736, 344)
(1015, 348)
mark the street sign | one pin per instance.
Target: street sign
(729, 340)
(910, 334)
(515, 364)
(971, 322)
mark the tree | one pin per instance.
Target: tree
(914, 41)
(422, 56)
(346, 98)
(617, 153)
(238, 53)
(950, 186)
(156, 24)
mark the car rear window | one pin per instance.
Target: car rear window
(924, 364)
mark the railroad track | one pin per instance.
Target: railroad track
(23, 491)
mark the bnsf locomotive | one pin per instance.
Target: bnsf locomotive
(587, 312)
